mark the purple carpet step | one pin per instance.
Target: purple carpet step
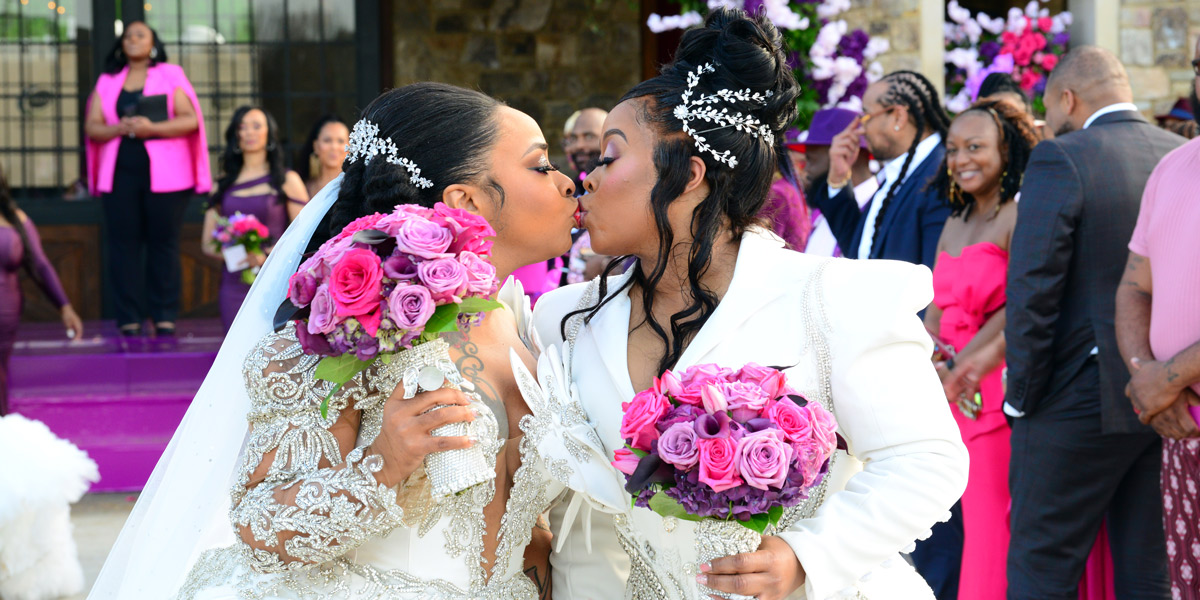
(118, 398)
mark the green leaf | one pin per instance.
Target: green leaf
(325, 401)
(444, 319)
(757, 522)
(340, 369)
(474, 305)
(666, 506)
(774, 514)
(636, 452)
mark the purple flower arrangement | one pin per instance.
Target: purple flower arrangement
(714, 443)
(388, 282)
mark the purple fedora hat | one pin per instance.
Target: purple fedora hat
(828, 123)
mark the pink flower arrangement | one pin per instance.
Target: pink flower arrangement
(241, 230)
(712, 442)
(388, 282)
(1027, 44)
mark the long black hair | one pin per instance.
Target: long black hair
(232, 159)
(1017, 139)
(1002, 83)
(747, 53)
(914, 92)
(425, 121)
(116, 60)
(302, 166)
(8, 210)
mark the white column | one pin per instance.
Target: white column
(933, 42)
(1096, 24)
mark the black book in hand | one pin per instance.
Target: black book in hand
(153, 107)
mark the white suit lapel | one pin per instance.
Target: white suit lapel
(610, 332)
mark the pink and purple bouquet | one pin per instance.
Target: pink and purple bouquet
(714, 443)
(1027, 45)
(389, 282)
(241, 230)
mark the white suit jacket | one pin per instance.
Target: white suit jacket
(906, 463)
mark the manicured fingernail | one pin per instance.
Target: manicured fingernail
(702, 579)
(705, 567)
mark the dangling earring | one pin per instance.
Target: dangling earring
(153, 53)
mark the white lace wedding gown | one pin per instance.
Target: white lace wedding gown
(359, 539)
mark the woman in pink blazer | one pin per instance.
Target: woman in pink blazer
(145, 169)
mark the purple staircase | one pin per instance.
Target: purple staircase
(120, 399)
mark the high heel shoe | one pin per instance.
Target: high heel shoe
(133, 330)
(164, 329)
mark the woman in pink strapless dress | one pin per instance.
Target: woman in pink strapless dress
(987, 148)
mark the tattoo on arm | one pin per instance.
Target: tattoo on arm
(471, 367)
(542, 582)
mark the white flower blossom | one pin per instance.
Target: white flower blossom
(957, 13)
(853, 103)
(875, 47)
(874, 72)
(783, 16)
(973, 31)
(1016, 20)
(960, 102)
(990, 25)
(658, 23)
(715, 4)
(832, 8)
(1031, 9)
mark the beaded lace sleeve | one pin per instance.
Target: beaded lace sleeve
(302, 496)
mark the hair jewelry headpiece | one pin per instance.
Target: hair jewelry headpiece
(365, 143)
(702, 108)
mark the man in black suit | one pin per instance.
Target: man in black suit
(1079, 454)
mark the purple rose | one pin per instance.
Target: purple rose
(762, 459)
(445, 278)
(677, 445)
(481, 274)
(322, 317)
(399, 267)
(424, 238)
(301, 288)
(410, 306)
(684, 413)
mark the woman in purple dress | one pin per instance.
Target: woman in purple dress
(253, 182)
(20, 248)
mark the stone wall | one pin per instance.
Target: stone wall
(1157, 42)
(544, 57)
(898, 21)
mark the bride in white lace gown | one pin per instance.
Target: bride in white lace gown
(338, 505)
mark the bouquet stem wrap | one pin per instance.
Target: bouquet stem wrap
(717, 539)
(426, 367)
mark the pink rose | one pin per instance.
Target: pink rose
(677, 446)
(792, 420)
(641, 415)
(370, 321)
(772, 381)
(355, 283)
(706, 373)
(445, 278)
(391, 222)
(746, 400)
(718, 466)
(1049, 61)
(322, 316)
(410, 306)
(762, 459)
(301, 287)
(468, 230)
(481, 274)
(423, 238)
(1022, 55)
(625, 461)
(713, 398)
(1029, 80)
(824, 427)
(359, 224)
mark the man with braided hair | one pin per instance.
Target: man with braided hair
(1079, 454)
(904, 123)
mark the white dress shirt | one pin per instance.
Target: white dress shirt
(891, 173)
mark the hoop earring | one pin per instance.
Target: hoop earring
(153, 53)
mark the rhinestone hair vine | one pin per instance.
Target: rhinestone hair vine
(703, 109)
(366, 144)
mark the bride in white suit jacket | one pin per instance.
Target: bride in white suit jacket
(679, 189)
